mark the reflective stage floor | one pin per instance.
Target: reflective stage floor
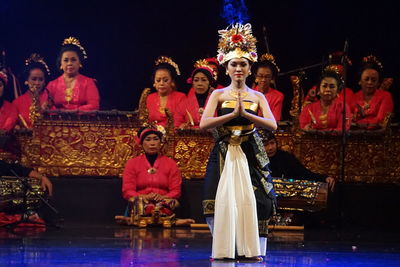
(115, 245)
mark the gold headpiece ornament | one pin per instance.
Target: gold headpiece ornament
(73, 41)
(237, 42)
(38, 59)
(333, 68)
(270, 58)
(372, 59)
(202, 63)
(168, 60)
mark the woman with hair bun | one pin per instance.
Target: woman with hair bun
(371, 105)
(327, 113)
(36, 98)
(72, 90)
(166, 96)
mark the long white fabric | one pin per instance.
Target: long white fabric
(235, 217)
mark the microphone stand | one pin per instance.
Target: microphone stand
(24, 217)
(344, 119)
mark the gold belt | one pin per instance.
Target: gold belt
(237, 137)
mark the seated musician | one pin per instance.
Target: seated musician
(72, 90)
(6, 169)
(371, 106)
(214, 65)
(8, 113)
(36, 99)
(266, 72)
(327, 113)
(151, 183)
(335, 62)
(166, 97)
(285, 165)
(203, 83)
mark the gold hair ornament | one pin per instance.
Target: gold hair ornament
(73, 41)
(168, 60)
(38, 59)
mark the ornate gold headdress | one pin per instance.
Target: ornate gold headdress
(38, 59)
(374, 60)
(237, 42)
(204, 64)
(73, 41)
(168, 60)
(270, 58)
(333, 68)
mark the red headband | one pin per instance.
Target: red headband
(190, 79)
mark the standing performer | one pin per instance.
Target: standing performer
(239, 197)
(72, 90)
(36, 99)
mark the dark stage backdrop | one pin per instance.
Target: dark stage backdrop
(123, 38)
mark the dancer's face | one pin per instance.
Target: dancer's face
(238, 69)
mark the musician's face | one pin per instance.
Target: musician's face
(200, 83)
(369, 81)
(70, 63)
(328, 89)
(163, 82)
(271, 147)
(264, 78)
(36, 80)
(151, 144)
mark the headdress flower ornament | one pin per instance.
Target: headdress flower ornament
(237, 42)
(374, 60)
(334, 68)
(269, 58)
(38, 59)
(3, 76)
(73, 41)
(203, 64)
(168, 60)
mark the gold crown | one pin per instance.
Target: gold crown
(372, 59)
(269, 58)
(38, 59)
(73, 41)
(333, 68)
(204, 64)
(168, 60)
(237, 42)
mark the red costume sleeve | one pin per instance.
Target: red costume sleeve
(129, 178)
(305, 117)
(8, 116)
(92, 96)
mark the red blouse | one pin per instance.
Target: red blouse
(136, 180)
(85, 95)
(275, 101)
(24, 102)
(332, 121)
(8, 116)
(376, 110)
(176, 103)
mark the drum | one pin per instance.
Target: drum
(12, 193)
(301, 195)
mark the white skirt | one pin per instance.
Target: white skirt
(235, 216)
